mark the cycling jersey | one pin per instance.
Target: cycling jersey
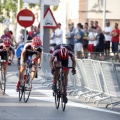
(28, 47)
(2, 47)
(58, 47)
(31, 52)
(56, 54)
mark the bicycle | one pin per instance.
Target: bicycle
(26, 83)
(61, 83)
(2, 77)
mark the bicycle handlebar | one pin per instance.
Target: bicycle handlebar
(64, 67)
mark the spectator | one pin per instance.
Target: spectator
(52, 41)
(59, 34)
(100, 42)
(38, 32)
(28, 37)
(91, 37)
(78, 41)
(70, 37)
(31, 31)
(85, 41)
(12, 37)
(92, 24)
(107, 32)
(86, 25)
(73, 27)
(96, 24)
(20, 37)
(6, 34)
(13, 50)
(115, 38)
(35, 31)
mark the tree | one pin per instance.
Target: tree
(10, 5)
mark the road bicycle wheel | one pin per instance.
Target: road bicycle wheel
(28, 87)
(63, 97)
(3, 82)
(21, 92)
(57, 99)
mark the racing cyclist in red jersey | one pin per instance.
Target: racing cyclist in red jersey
(33, 49)
(61, 56)
(5, 52)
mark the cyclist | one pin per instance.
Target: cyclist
(59, 58)
(33, 49)
(5, 52)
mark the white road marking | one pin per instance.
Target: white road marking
(50, 98)
(25, 18)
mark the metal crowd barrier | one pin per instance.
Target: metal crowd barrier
(94, 80)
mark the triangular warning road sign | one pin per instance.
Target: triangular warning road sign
(49, 20)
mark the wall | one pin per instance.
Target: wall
(95, 11)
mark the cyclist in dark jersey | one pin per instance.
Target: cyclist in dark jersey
(60, 57)
(33, 49)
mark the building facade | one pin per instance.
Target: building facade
(86, 10)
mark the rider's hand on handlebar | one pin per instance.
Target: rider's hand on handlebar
(73, 71)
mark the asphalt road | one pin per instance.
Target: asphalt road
(41, 104)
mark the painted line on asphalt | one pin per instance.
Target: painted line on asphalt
(50, 98)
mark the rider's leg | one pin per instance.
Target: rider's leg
(5, 65)
(57, 64)
(65, 81)
(56, 73)
(34, 66)
(34, 69)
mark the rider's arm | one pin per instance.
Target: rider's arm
(23, 55)
(51, 62)
(39, 58)
(73, 61)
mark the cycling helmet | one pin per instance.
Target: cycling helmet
(36, 41)
(7, 41)
(63, 53)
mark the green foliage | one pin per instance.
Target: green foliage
(55, 8)
(1, 19)
(32, 5)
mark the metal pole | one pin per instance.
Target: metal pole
(104, 12)
(18, 27)
(25, 36)
(41, 20)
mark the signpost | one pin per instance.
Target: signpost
(25, 18)
(42, 3)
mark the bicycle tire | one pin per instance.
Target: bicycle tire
(21, 92)
(3, 82)
(57, 99)
(26, 90)
(63, 104)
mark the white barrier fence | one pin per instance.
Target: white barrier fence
(95, 80)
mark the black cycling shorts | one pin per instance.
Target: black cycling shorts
(4, 55)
